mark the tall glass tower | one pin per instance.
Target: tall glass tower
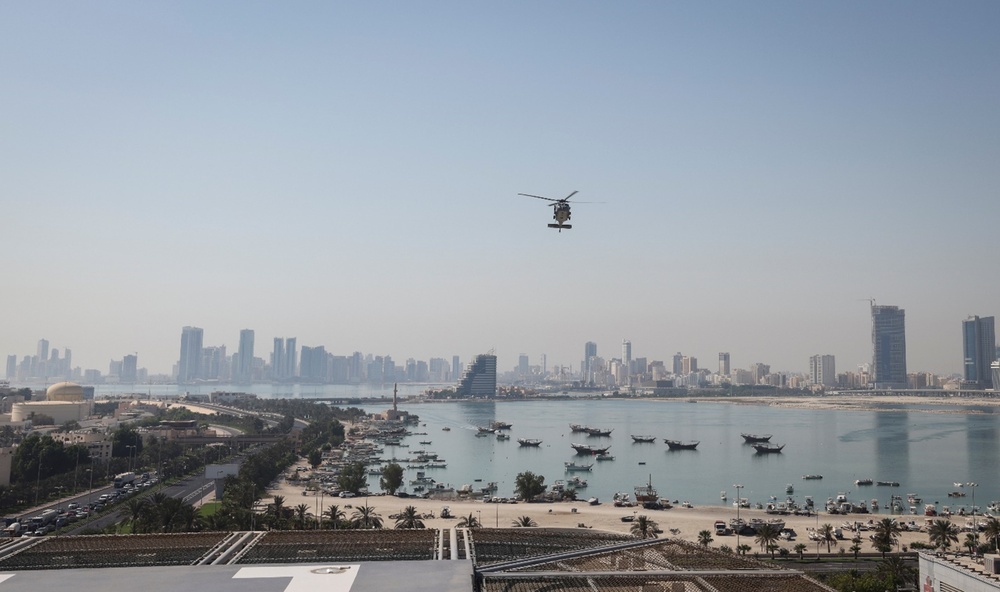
(888, 346)
(979, 346)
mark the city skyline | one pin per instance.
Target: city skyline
(196, 361)
(348, 174)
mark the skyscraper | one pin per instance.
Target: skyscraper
(888, 346)
(244, 357)
(189, 366)
(480, 378)
(626, 352)
(130, 368)
(589, 353)
(291, 357)
(12, 367)
(979, 346)
(723, 363)
(678, 363)
(823, 370)
(278, 359)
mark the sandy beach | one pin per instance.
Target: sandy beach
(678, 522)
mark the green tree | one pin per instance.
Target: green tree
(705, 538)
(767, 537)
(353, 477)
(855, 546)
(409, 518)
(886, 534)
(315, 458)
(469, 521)
(529, 485)
(896, 572)
(644, 527)
(392, 478)
(942, 533)
(971, 542)
(365, 517)
(277, 512)
(334, 517)
(524, 522)
(827, 534)
(300, 516)
(992, 532)
(743, 548)
(800, 548)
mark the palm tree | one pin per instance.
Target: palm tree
(742, 549)
(801, 549)
(644, 527)
(300, 516)
(992, 531)
(971, 542)
(887, 532)
(897, 571)
(138, 511)
(942, 533)
(524, 521)
(705, 537)
(365, 517)
(767, 537)
(278, 509)
(469, 521)
(827, 535)
(334, 516)
(409, 518)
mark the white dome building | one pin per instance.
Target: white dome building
(63, 402)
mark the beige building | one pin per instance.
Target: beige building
(63, 402)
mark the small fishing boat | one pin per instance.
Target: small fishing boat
(643, 439)
(765, 448)
(529, 442)
(751, 438)
(572, 466)
(678, 445)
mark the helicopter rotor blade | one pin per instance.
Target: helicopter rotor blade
(539, 197)
(569, 196)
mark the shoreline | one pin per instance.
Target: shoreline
(678, 522)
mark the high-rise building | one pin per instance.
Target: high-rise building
(724, 364)
(12, 367)
(278, 359)
(626, 352)
(189, 365)
(689, 364)
(291, 357)
(130, 369)
(480, 378)
(243, 373)
(995, 371)
(822, 370)
(314, 364)
(523, 365)
(589, 353)
(979, 346)
(456, 366)
(43, 350)
(888, 346)
(678, 363)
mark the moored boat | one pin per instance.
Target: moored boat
(863, 481)
(588, 449)
(765, 448)
(812, 476)
(605, 456)
(575, 427)
(597, 431)
(646, 493)
(678, 445)
(572, 466)
(529, 441)
(887, 483)
(751, 438)
(643, 439)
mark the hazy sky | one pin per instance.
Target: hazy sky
(347, 173)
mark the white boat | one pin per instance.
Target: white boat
(723, 496)
(572, 466)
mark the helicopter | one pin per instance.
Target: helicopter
(560, 209)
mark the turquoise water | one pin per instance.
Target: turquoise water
(925, 452)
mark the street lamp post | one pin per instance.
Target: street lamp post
(90, 492)
(975, 527)
(739, 525)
